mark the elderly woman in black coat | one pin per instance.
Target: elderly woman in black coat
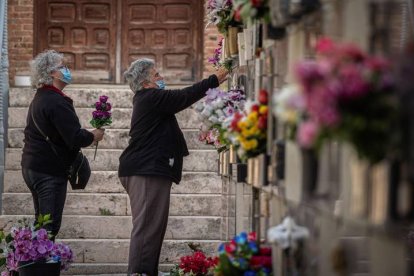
(51, 114)
(154, 157)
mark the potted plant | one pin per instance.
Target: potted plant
(28, 249)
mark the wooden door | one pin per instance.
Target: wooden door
(100, 38)
(84, 31)
(168, 31)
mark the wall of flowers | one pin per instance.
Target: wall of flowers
(315, 136)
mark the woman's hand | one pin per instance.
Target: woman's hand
(98, 134)
(222, 75)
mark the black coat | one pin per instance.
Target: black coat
(56, 117)
(157, 145)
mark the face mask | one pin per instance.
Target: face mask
(160, 83)
(67, 76)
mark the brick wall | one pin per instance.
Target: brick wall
(20, 27)
(211, 38)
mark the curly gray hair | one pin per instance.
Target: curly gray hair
(138, 72)
(44, 64)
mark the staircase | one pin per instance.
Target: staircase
(96, 222)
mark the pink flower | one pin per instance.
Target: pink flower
(325, 45)
(307, 134)
(353, 83)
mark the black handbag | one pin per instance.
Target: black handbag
(79, 171)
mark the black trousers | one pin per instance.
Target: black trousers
(150, 202)
(49, 196)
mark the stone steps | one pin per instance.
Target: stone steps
(108, 159)
(121, 118)
(119, 227)
(108, 182)
(116, 204)
(100, 241)
(113, 139)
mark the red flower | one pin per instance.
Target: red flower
(262, 124)
(265, 251)
(230, 248)
(263, 96)
(261, 261)
(237, 15)
(255, 107)
(252, 236)
(256, 3)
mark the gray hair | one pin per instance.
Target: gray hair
(138, 72)
(44, 64)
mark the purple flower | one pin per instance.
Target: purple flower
(108, 106)
(106, 115)
(103, 99)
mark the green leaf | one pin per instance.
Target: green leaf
(9, 238)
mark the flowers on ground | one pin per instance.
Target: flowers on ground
(196, 264)
(243, 256)
(31, 243)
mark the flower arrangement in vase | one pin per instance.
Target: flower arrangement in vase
(215, 112)
(248, 129)
(243, 256)
(346, 95)
(28, 244)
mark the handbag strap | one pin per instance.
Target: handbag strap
(42, 133)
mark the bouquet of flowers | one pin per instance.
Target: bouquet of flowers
(243, 256)
(29, 243)
(248, 10)
(101, 116)
(248, 130)
(220, 13)
(215, 112)
(196, 264)
(348, 96)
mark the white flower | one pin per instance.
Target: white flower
(206, 113)
(248, 105)
(213, 119)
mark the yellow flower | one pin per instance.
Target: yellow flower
(253, 116)
(263, 109)
(254, 143)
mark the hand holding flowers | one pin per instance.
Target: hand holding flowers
(101, 116)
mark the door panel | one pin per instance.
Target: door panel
(166, 31)
(84, 31)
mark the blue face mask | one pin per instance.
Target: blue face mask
(160, 83)
(67, 76)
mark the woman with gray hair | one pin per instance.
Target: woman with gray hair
(51, 114)
(154, 157)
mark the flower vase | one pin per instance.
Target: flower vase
(39, 269)
(232, 41)
(310, 166)
(226, 45)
